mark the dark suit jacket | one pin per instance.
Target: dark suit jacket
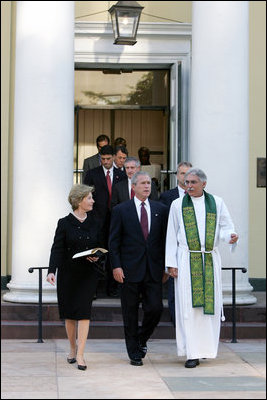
(168, 196)
(96, 177)
(127, 246)
(90, 163)
(121, 193)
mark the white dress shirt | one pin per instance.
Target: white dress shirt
(181, 191)
(129, 187)
(115, 166)
(110, 172)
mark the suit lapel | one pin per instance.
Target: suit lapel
(116, 176)
(103, 178)
(125, 190)
(153, 216)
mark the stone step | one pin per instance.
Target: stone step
(110, 310)
(114, 330)
(20, 321)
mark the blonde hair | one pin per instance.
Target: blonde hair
(77, 193)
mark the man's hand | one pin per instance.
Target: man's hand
(165, 277)
(118, 275)
(173, 272)
(234, 238)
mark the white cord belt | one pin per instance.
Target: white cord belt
(200, 251)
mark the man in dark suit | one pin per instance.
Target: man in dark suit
(167, 198)
(137, 248)
(120, 155)
(95, 160)
(123, 190)
(104, 178)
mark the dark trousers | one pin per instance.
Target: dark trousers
(112, 285)
(171, 299)
(149, 293)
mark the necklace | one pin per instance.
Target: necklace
(81, 219)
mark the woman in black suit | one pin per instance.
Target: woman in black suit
(76, 278)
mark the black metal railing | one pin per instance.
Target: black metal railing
(233, 300)
(40, 311)
(40, 317)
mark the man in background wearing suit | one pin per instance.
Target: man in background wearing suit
(167, 198)
(95, 160)
(119, 141)
(104, 178)
(123, 190)
(120, 155)
(137, 248)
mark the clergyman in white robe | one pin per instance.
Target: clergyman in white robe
(197, 334)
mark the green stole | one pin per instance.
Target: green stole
(202, 279)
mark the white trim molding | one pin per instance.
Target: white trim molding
(157, 43)
(144, 29)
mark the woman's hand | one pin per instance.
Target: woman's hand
(92, 259)
(51, 278)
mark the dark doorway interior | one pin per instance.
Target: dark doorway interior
(122, 103)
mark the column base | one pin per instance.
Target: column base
(29, 294)
(243, 289)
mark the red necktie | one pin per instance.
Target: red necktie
(109, 187)
(144, 220)
(132, 193)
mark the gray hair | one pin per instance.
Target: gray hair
(139, 173)
(77, 193)
(132, 159)
(184, 164)
(197, 172)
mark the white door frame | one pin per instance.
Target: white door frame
(159, 45)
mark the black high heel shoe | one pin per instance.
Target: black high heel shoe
(82, 367)
(71, 360)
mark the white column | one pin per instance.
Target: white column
(43, 139)
(219, 123)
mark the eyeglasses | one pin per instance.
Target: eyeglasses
(192, 182)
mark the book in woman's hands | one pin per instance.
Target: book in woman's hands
(97, 252)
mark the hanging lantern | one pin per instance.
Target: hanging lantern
(125, 16)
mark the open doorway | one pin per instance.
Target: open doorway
(128, 103)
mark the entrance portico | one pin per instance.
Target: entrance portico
(159, 44)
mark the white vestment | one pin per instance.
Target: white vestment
(197, 334)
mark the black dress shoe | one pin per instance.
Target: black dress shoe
(143, 350)
(191, 363)
(71, 360)
(136, 361)
(113, 292)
